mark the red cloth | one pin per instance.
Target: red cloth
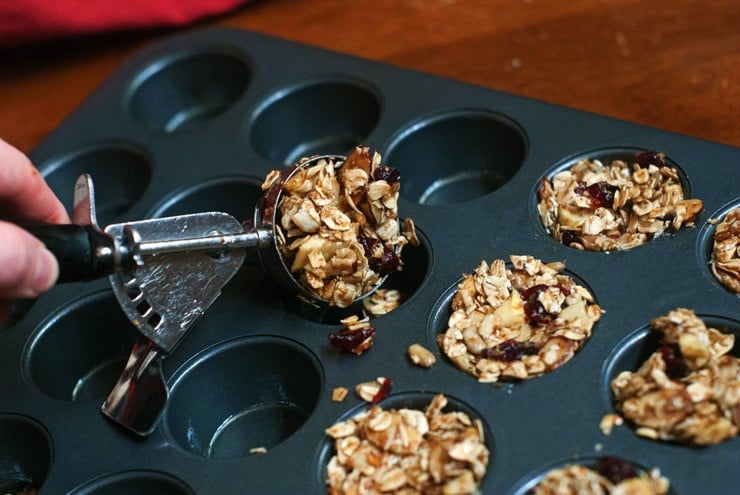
(25, 21)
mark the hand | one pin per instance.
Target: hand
(27, 268)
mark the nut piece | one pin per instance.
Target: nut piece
(339, 394)
(258, 450)
(725, 261)
(421, 356)
(688, 391)
(517, 323)
(337, 224)
(583, 480)
(597, 207)
(407, 451)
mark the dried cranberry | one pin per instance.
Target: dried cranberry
(383, 392)
(381, 258)
(510, 350)
(371, 245)
(650, 157)
(601, 194)
(355, 341)
(533, 308)
(389, 174)
(615, 469)
(569, 237)
(675, 364)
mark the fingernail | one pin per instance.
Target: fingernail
(47, 271)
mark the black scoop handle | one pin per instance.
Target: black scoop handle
(83, 251)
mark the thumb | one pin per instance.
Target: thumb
(27, 268)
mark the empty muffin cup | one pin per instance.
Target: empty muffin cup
(235, 195)
(182, 91)
(121, 174)
(316, 118)
(79, 353)
(245, 394)
(139, 482)
(25, 453)
(457, 156)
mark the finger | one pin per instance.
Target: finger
(23, 192)
(27, 268)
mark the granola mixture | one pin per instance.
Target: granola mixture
(725, 262)
(338, 225)
(610, 476)
(517, 323)
(597, 207)
(688, 391)
(407, 451)
(356, 336)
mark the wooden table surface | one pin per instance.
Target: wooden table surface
(672, 64)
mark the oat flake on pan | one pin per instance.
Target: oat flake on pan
(725, 262)
(687, 391)
(338, 228)
(407, 452)
(610, 476)
(517, 323)
(597, 207)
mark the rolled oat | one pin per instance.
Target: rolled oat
(517, 323)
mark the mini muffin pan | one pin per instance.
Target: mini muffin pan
(194, 124)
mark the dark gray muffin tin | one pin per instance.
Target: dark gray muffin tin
(194, 124)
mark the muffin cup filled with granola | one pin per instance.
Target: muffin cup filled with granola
(688, 389)
(408, 444)
(605, 475)
(725, 258)
(606, 205)
(519, 322)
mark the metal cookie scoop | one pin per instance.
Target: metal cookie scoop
(165, 273)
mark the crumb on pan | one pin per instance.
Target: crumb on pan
(339, 394)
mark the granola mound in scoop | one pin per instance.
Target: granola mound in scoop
(517, 323)
(338, 226)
